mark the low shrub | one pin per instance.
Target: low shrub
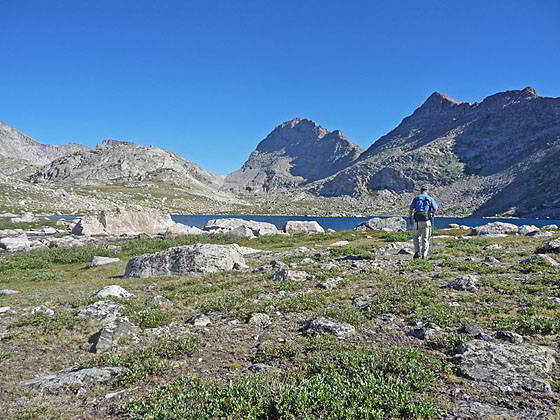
(357, 384)
(145, 362)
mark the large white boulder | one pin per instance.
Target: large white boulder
(18, 243)
(296, 226)
(528, 229)
(496, 228)
(124, 222)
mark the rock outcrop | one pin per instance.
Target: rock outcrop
(123, 222)
(186, 260)
(507, 367)
(74, 379)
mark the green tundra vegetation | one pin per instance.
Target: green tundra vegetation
(175, 370)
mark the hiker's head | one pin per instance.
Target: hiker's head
(423, 189)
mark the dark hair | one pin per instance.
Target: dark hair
(423, 189)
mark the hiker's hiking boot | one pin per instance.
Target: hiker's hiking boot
(417, 255)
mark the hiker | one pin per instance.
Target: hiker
(422, 208)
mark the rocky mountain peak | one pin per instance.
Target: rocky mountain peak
(437, 103)
(295, 152)
(291, 133)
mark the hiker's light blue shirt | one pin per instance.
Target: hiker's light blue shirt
(433, 205)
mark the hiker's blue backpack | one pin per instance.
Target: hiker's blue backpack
(422, 208)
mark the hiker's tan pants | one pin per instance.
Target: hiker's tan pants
(422, 238)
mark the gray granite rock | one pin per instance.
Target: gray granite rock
(528, 230)
(496, 228)
(540, 259)
(425, 332)
(259, 368)
(506, 367)
(186, 260)
(42, 309)
(509, 336)
(330, 283)
(18, 243)
(362, 302)
(74, 378)
(200, 320)
(242, 232)
(552, 246)
(541, 234)
(468, 282)
(108, 337)
(290, 275)
(324, 325)
(260, 320)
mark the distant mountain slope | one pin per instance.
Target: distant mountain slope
(113, 162)
(294, 153)
(20, 155)
(498, 156)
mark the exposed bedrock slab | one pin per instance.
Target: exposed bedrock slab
(505, 366)
(185, 260)
(79, 378)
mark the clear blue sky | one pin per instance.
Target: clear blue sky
(210, 79)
